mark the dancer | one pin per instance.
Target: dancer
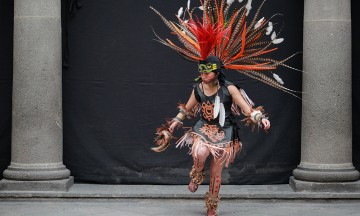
(221, 39)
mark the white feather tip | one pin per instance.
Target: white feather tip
(273, 36)
(269, 28)
(180, 12)
(278, 79)
(278, 40)
(258, 24)
(248, 7)
(229, 2)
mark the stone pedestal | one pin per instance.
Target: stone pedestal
(326, 145)
(37, 143)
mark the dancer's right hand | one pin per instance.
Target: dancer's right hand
(173, 125)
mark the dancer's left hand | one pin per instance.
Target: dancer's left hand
(266, 123)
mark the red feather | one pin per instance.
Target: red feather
(208, 36)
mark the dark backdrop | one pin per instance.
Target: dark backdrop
(6, 38)
(356, 82)
(119, 85)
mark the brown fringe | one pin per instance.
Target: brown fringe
(223, 153)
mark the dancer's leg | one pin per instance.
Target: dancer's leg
(216, 168)
(199, 156)
(212, 197)
(197, 173)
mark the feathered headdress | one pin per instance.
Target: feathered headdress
(228, 34)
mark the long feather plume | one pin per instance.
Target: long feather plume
(226, 30)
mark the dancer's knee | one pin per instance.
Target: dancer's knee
(201, 153)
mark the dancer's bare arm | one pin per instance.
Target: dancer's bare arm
(189, 106)
(240, 101)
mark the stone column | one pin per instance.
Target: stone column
(37, 144)
(326, 143)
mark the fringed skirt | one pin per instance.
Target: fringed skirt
(222, 142)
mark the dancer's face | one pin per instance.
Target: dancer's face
(208, 77)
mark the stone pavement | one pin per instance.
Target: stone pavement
(141, 200)
(176, 207)
(281, 191)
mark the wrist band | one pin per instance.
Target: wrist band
(178, 120)
(181, 116)
(256, 116)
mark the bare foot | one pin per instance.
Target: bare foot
(192, 187)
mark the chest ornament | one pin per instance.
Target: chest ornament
(207, 110)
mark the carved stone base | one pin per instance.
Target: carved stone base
(298, 185)
(52, 185)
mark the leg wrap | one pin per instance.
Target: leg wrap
(196, 177)
(211, 204)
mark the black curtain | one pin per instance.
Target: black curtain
(6, 47)
(120, 85)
